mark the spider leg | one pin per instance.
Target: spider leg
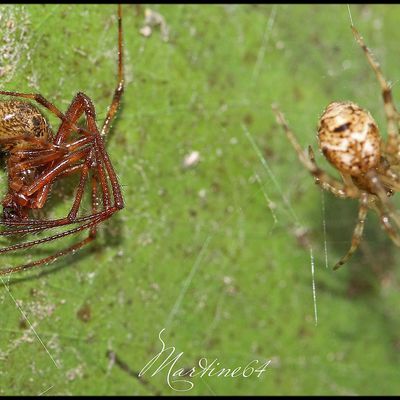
(81, 188)
(48, 259)
(34, 153)
(40, 156)
(117, 194)
(40, 159)
(92, 226)
(392, 146)
(71, 170)
(31, 243)
(321, 177)
(79, 105)
(358, 230)
(120, 84)
(382, 195)
(390, 178)
(34, 226)
(385, 221)
(93, 229)
(43, 193)
(50, 175)
(83, 104)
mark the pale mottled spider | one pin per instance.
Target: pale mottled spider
(349, 138)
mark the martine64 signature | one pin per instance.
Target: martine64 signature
(177, 377)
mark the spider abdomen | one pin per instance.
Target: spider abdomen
(21, 118)
(349, 138)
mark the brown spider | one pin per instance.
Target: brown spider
(349, 138)
(37, 158)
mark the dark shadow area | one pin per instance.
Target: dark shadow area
(61, 263)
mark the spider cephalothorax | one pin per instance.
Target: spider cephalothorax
(350, 140)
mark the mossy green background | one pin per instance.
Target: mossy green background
(217, 254)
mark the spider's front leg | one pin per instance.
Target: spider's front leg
(392, 146)
(381, 193)
(384, 218)
(358, 230)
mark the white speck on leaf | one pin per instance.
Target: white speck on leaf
(191, 159)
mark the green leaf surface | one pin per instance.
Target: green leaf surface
(216, 253)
